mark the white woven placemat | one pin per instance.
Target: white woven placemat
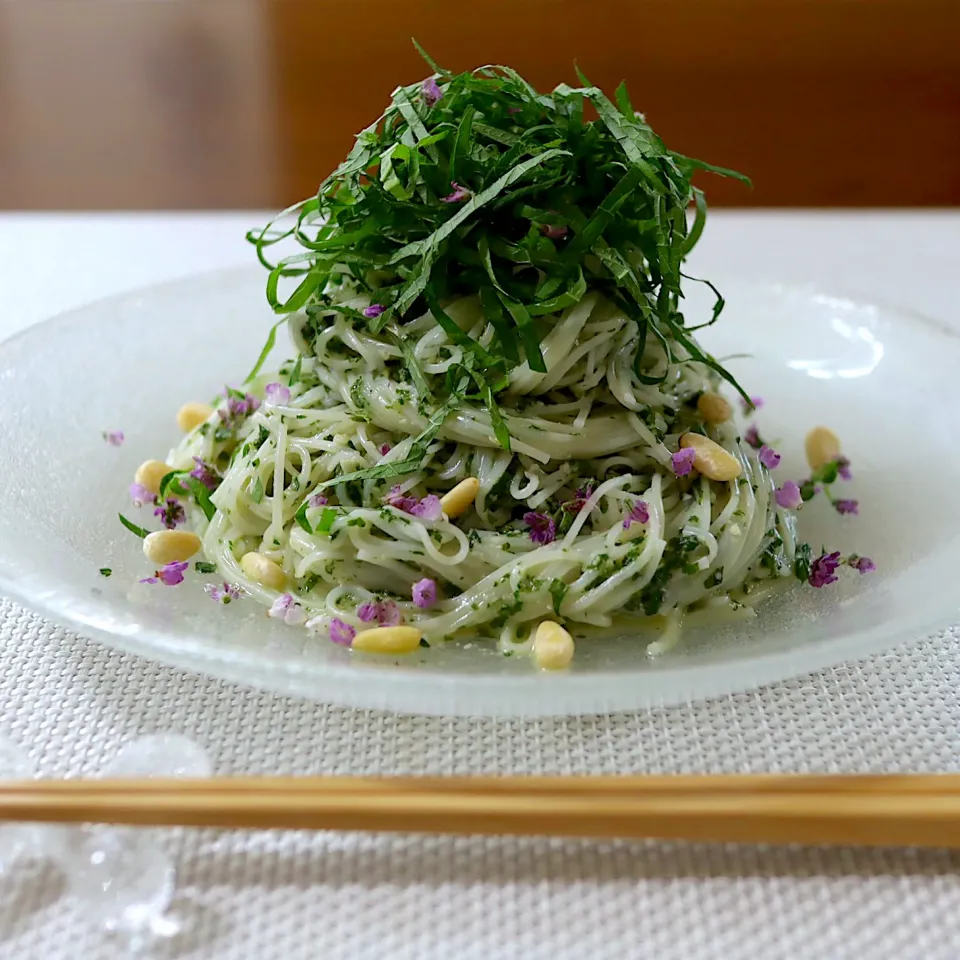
(250, 896)
(301, 896)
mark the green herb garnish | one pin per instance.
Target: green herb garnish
(498, 191)
(141, 532)
(201, 566)
(558, 590)
(105, 572)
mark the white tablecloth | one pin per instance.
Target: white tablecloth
(298, 896)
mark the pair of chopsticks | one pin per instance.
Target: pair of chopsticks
(862, 810)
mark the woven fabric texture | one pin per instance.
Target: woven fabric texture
(269, 896)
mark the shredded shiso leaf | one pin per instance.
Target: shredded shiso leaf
(476, 184)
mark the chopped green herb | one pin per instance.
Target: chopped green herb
(202, 566)
(105, 572)
(558, 590)
(256, 491)
(132, 527)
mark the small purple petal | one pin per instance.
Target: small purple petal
(431, 92)
(425, 593)
(847, 507)
(171, 514)
(861, 564)
(752, 437)
(788, 496)
(683, 461)
(542, 528)
(458, 196)
(429, 508)
(755, 404)
(224, 594)
(384, 449)
(140, 495)
(205, 474)
(553, 230)
(843, 468)
(769, 457)
(149, 580)
(367, 612)
(287, 609)
(579, 501)
(318, 500)
(639, 513)
(388, 613)
(342, 633)
(172, 573)
(823, 569)
(277, 394)
(374, 311)
(400, 501)
(114, 437)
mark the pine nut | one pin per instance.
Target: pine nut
(822, 446)
(552, 646)
(458, 500)
(392, 640)
(150, 473)
(712, 460)
(170, 546)
(191, 415)
(714, 408)
(262, 569)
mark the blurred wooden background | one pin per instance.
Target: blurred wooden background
(248, 103)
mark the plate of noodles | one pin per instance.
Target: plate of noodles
(472, 437)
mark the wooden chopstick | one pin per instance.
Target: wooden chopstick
(863, 810)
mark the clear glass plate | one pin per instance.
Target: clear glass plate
(884, 379)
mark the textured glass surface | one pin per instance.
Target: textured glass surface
(881, 378)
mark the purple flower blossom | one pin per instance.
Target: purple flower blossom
(342, 633)
(752, 437)
(823, 569)
(318, 500)
(788, 496)
(428, 508)
(845, 507)
(843, 468)
(861, 564)
(639, 513)
(140, 495)
(171, 514)
(755, 404)
(236, 408)
(683, 461)
(170, 575)
(553, 230)
(205, 474)
(400, 501)
(579, 501)
(384, 449)
(542, 529)
(425, 593)
(513, 110)
(769, 457)
(114, 437)
(374, 311)
(367, 612)
(287, 609)
(458, 195)
(277, 394)
(385, 612)
(431, 92)
(224, 594)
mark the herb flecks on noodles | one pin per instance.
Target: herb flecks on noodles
(489, 288)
